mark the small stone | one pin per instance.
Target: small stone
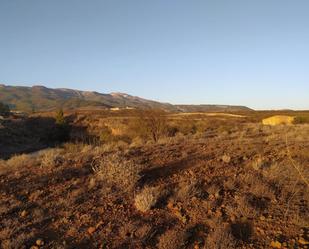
(302, 241)
(262, 217)
(23, 213)
(99, 224)
(233, 218)
(91, 230)
(34, 247)
(275, 244)
(226, 158)
(196, 246)
(39, 242)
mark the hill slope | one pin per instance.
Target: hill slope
(40, 98)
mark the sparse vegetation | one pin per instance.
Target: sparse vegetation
(147, 198)
(213, 183)
(301, 119)
(151, 124)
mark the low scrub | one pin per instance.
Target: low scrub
(147, 198)
(304, 119)
(116, 170)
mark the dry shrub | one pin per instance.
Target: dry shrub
(242, 230)
(150, 124)
(220, 238)
(118, 171)
(137, 142)
(262, 188)
(75, 147)
(51, 158)
(173, 239)
(147, 198)
(188, 190)
(242, 208)
(20, 161)
(106, 134)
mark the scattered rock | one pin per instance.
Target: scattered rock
(178, 211)
(233, 218)
(226, 158)
(23, 213)
(196, 246)
(99, 224)
(302, 241)
(91, 230)
(275, 244)
(39, 242)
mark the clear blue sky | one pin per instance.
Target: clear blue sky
(247, 52)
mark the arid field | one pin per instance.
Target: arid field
(128, 179)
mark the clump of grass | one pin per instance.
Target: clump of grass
(51, 158)
(19, 160)
(220, 238)
(186, 190)
(118, 171)
(147, 198)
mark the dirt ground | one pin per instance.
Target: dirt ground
(246, 187)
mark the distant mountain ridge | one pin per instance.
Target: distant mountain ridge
(41, 98)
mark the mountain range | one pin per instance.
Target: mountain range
(41, 98)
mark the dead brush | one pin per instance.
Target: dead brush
(51, 157)
(220, 238)
(20, 160)
(116, 170)
(186, 190)
(147, 198)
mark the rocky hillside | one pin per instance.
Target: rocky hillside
(40, 98)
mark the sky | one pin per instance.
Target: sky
(238, 52)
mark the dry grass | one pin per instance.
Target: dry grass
(116, 170)
(147, 198)
(233, 179)
(220, 238)
(20, 160)
(51, 158)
